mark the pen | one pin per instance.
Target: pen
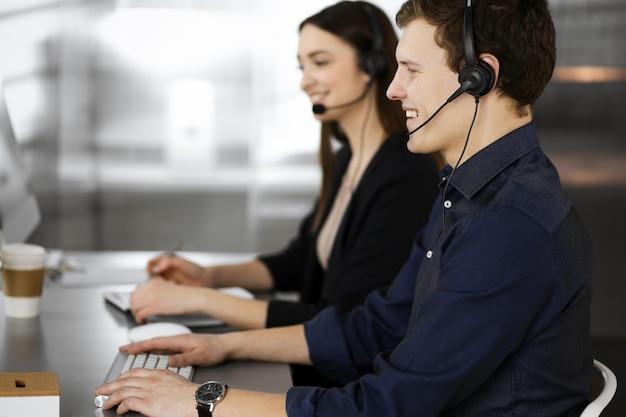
(177, 245)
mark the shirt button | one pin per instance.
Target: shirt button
(429, 254)
(447, 204)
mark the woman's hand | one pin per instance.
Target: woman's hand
(158, 296)
(179, 271)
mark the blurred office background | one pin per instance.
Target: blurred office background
(147, 121)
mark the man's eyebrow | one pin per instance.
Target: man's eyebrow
(408, 62)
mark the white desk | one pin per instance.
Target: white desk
(77, 336)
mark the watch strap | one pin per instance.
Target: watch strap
(204, 410)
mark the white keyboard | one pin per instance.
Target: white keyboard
(125, 362)
(154, 361)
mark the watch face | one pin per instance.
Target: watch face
(210, 392)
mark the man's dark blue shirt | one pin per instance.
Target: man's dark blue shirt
(488, 317)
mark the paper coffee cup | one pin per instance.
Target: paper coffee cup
(23, 271)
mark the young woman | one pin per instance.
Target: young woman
(375, 194)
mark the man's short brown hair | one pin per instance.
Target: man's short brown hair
(519, 33)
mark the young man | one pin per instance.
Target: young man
(490, 314)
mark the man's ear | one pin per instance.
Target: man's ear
(493, 62)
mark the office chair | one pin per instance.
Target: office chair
(603, 387)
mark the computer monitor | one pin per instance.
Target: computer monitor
(19, 211)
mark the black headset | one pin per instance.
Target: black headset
(479, 74)
(373, 61)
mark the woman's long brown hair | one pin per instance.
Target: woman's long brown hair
(351, 21)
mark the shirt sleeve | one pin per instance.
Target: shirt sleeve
(497, 285)
(343, 347)
(286, 265)
(285, 313)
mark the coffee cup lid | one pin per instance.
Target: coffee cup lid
(22, 255)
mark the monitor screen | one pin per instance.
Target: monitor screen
(19, 211)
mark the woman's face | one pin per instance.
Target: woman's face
(330, 72)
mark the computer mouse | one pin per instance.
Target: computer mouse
(152, 330)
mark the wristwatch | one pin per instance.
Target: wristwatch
(207, 395)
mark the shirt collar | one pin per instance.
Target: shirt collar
(485, 165)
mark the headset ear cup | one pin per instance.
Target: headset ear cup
(374, 64)
(480, 76)
(490, 76)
